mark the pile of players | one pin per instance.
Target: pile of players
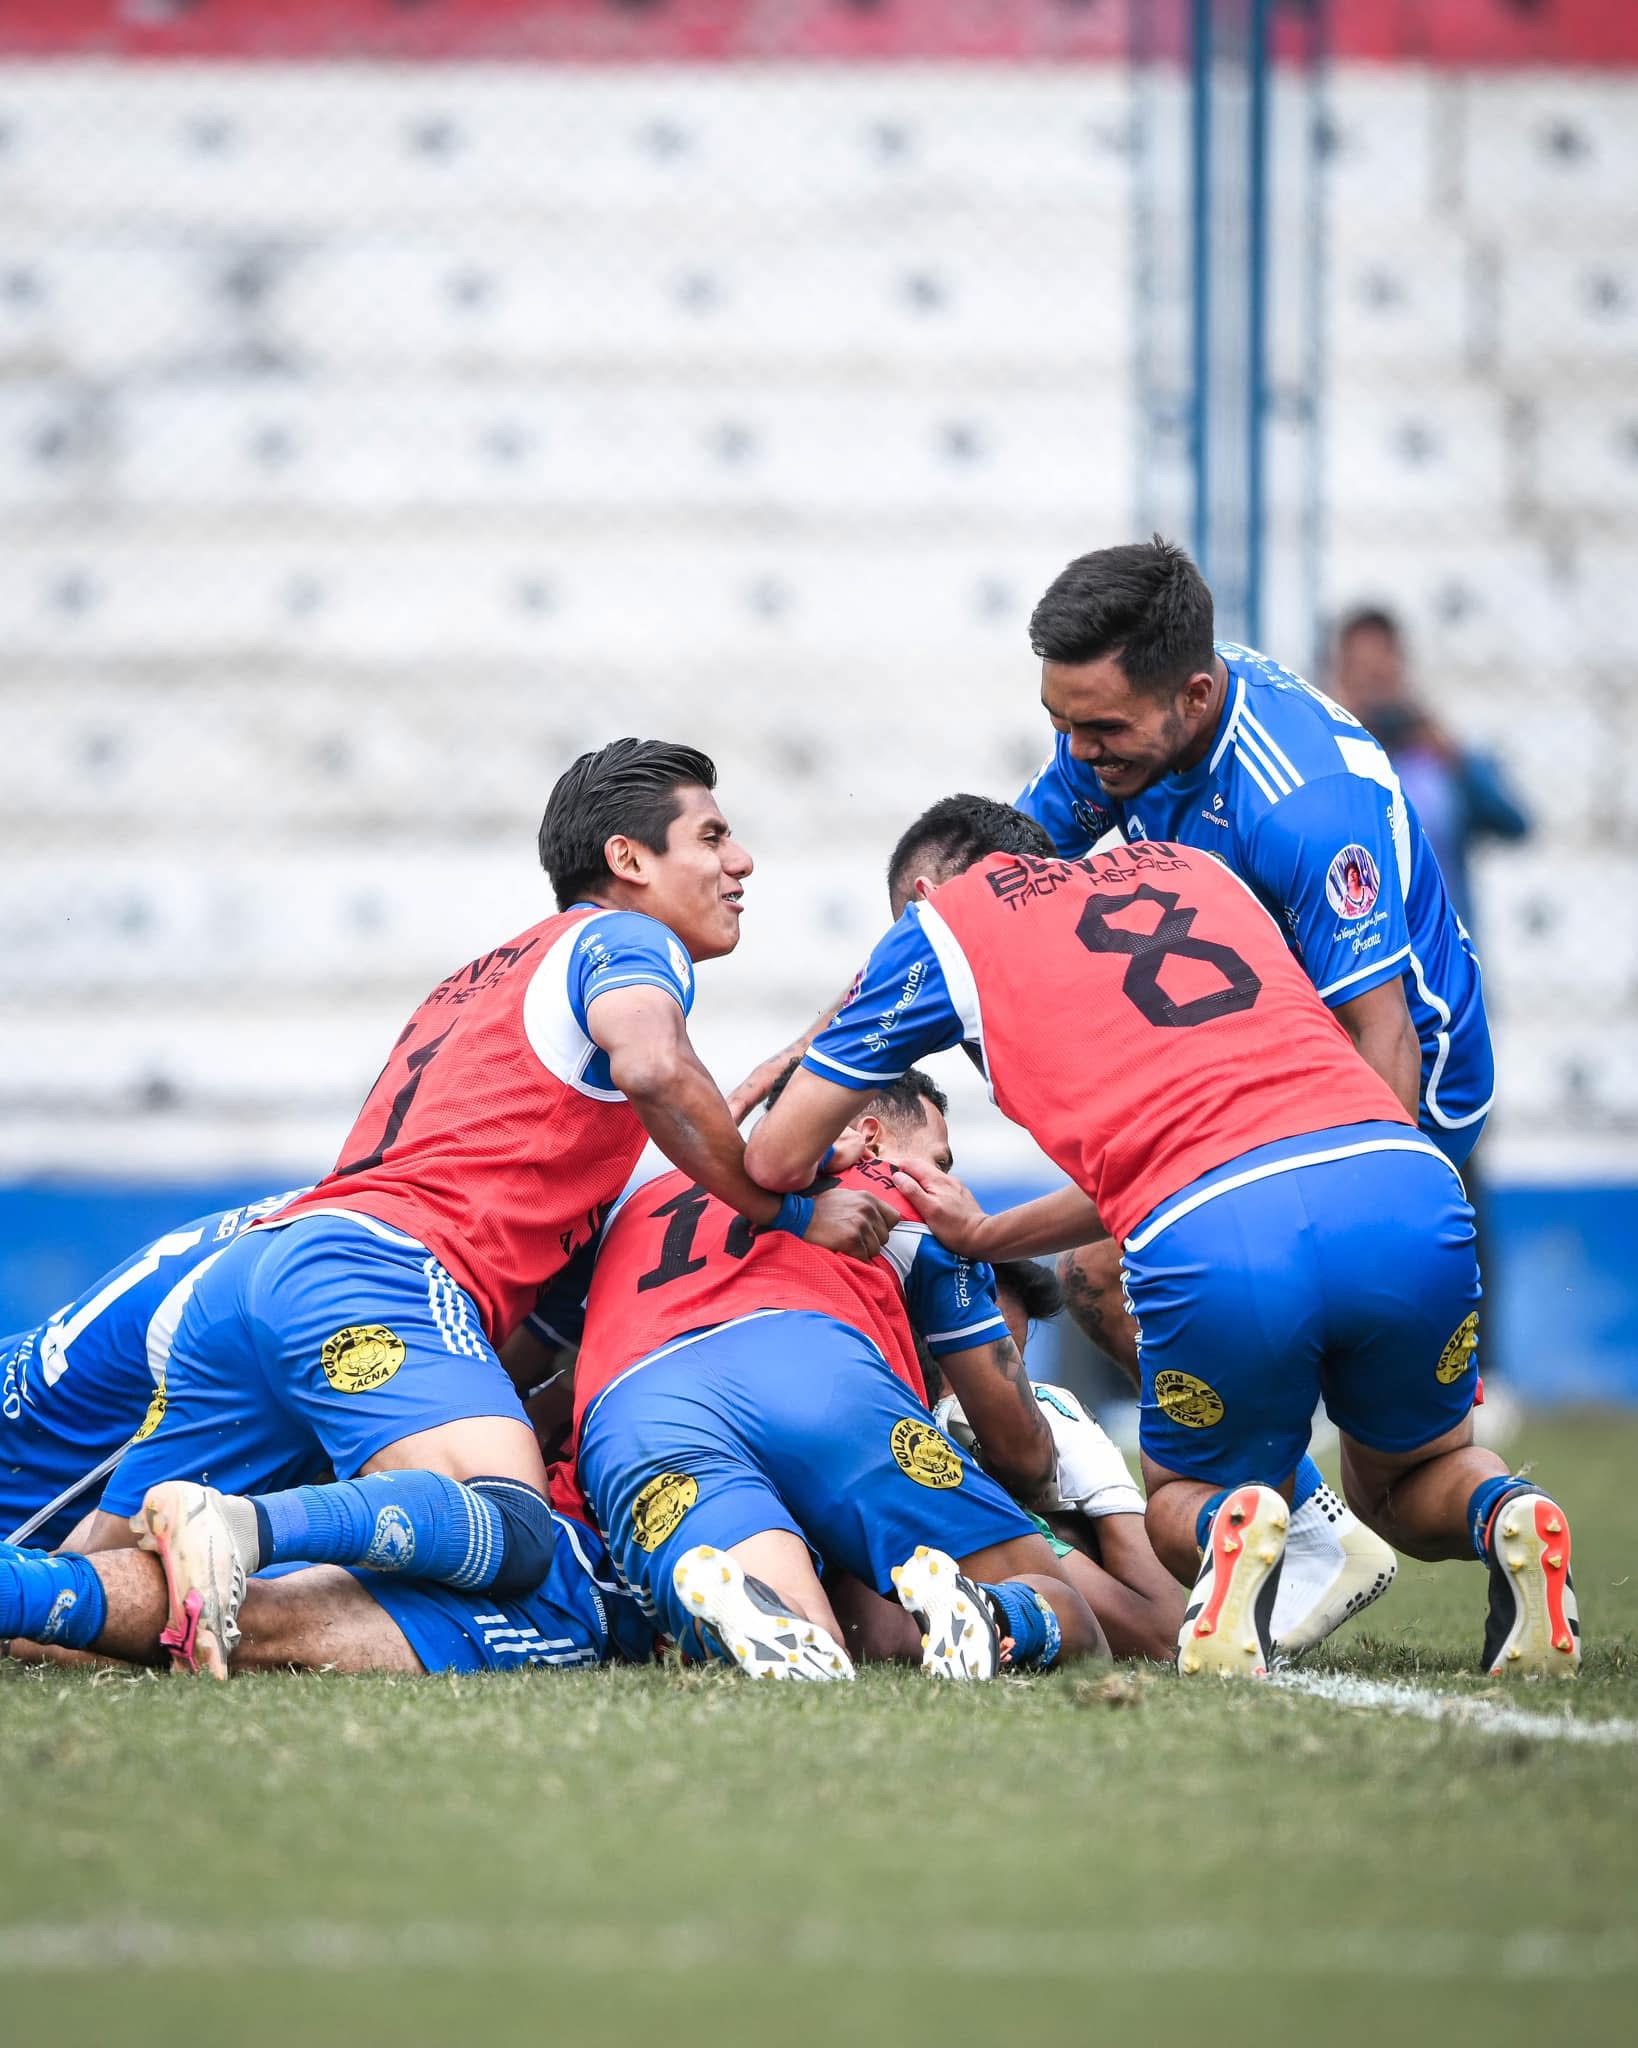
(555, 1365)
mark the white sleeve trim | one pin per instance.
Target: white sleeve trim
(959, 980)
(1360, 973)
(995, 1322)
(854, 1073)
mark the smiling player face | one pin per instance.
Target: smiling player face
(1128, 737)
(697, 884)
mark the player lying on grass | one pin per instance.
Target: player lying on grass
(74, 1391)
(360, 1327)
(1096, 1526)
(1288, 1234)
(751, 1408)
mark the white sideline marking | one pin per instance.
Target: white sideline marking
(123, 1946)
(1481, 1716)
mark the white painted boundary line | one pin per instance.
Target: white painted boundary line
(1478, 1716)
(121, 1947)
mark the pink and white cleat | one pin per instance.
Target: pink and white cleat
(204, 1575)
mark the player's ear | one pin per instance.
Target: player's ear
(627, 861)
(922, 888)
(1197, 691)
(871, 1129)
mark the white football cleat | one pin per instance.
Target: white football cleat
(204, 1576)
(959, 1638)
(1534, 1625)
(1227, 1630)
(1334, 1568)
(749, 1623)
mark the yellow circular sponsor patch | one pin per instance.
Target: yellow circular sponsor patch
(1188, 1400)
(358, 1360)
(1457, 1355)
(154, 1417)
(923, 1454)
(661, 1506)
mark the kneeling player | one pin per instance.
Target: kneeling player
(749, 1408)
(1288, 1234)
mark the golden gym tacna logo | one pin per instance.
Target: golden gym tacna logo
(359, 1359)
(661, 1506)
(1188, 1400)
(923, 1455)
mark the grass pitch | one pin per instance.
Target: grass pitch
(604, 1856)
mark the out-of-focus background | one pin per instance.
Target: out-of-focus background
(399, 396)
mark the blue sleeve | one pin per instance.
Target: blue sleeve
(899, 1009)
(952, 1300)
(624, 949)
(558, 1317)
(1323, 859)
(1057, 800)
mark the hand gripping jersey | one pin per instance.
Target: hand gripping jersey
(494, 1136)
(1136, 1011)
(676, 1259)
(1298, 799)
(74, 1391)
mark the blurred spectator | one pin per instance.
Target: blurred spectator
(1460, 793)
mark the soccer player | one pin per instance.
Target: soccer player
(361, 1324)
(74, 1391)
(749, 1406)
(1287, 1232)
(325, 1618)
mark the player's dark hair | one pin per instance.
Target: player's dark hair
(958, 830)
(1145, 603)
(627, 788)
(1037, 1289)
(903, 1097)
(1368, 618)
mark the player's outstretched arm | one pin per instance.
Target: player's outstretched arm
(759, 1081)
(999, 1402)
(1052, 1223)
(786, 1148)
(654, 1065)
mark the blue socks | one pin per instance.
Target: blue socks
(417, 1522)
(50, 1599)
(1482, 1505)
(1308, 1481)
(1202, 1521)
(1030, 1621)
(493, 1533)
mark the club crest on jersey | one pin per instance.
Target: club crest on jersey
(661, 1506)
(360, 1359)
(1352, 883)
(1188, 1400)
(154, 1417)
(1457, 1355)
(923, 1455)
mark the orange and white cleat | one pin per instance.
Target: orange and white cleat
(1228, 1629)
(1534, 1626)
(204, 1576)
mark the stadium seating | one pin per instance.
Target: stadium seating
(374, 437)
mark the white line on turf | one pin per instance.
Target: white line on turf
(600, 1948)
(1481, 1716)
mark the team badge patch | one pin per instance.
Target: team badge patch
(392, 1545)
(661, 1506)
(1188, 1400)
(923, 1455)
(1352, 883)
(154, 1417)
(1457, 1355)
(359, 1360)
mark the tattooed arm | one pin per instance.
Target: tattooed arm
(994, 1390)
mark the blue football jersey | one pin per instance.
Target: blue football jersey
(1297, 798)
(76, 1389)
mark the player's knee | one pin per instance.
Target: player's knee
(529, 1536)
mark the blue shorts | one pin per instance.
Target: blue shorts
(783, 1420)
(1351, 1279)
(579, 1615)
(1455, 1145)
(308, 1346)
